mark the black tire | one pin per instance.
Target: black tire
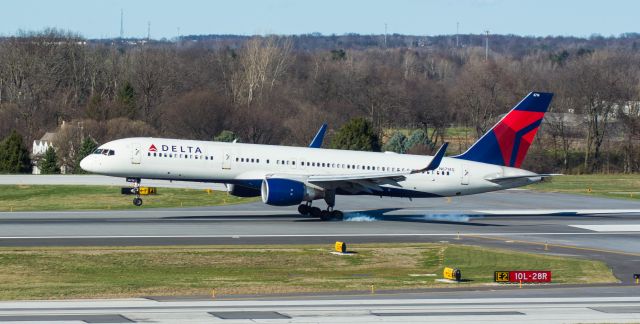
(137, 201)
(303, 209)
(315, 211)
(336, 214)
(325, 215)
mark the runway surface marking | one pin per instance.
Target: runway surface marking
(610, 228)
(563, 246)
(308, 235)
(402, 211)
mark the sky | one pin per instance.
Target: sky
(168, 19)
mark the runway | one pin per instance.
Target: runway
(597, 228)
(558, 305)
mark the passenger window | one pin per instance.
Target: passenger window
(257, 160)
(267, 161)
(236, 158)
(293, 162)
(251, 160)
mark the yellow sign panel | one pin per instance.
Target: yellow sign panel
(501, 276)
(341, 247)
(147, 190)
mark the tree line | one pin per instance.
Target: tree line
(278, 90)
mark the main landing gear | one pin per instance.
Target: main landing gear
(324, 215)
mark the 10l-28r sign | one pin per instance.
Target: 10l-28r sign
(522, 276)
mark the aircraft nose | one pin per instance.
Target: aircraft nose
(86, 164)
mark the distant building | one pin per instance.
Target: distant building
(40, 147)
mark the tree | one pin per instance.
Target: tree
(357, 134)
(49, 162)
(396, 143)
(419, 143)
(225, 136)
(14, 157)
(87, 147)
(126, 100)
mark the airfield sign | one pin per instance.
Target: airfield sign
(522, 276)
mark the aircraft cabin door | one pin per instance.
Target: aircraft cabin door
(465, 175)
(136, 154)
(226, 161)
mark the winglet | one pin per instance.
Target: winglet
(435, 162)
(317, 140)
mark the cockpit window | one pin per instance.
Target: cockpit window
(104, 152)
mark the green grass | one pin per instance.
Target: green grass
(33, 273)
(68, 197)
(625, 186)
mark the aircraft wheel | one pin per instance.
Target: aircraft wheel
(315, 211)
(137, 201)
(336, 214)
(303, 209)
(325, 215)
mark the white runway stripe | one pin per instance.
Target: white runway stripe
(300, 235)
(610, 228)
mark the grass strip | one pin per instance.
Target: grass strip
(72, 197)
(91, 272)
(621, 186)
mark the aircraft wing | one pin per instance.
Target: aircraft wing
(371, 182)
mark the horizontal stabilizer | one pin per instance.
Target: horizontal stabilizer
(527, 176)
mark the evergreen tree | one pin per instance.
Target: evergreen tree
(225, 136)
(357, 134)
(14, 157)
(126, 98)
(396, 143)
(49, 162)
(87, 147)
(418, 137)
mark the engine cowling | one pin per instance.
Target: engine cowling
(287, 192)
(242, 191)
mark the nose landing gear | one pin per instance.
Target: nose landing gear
(137, 201)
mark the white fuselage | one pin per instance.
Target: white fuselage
(249, 164)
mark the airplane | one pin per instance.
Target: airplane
(289, 176)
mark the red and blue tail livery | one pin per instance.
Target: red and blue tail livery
(508, 141)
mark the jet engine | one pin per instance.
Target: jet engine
(287, 192)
